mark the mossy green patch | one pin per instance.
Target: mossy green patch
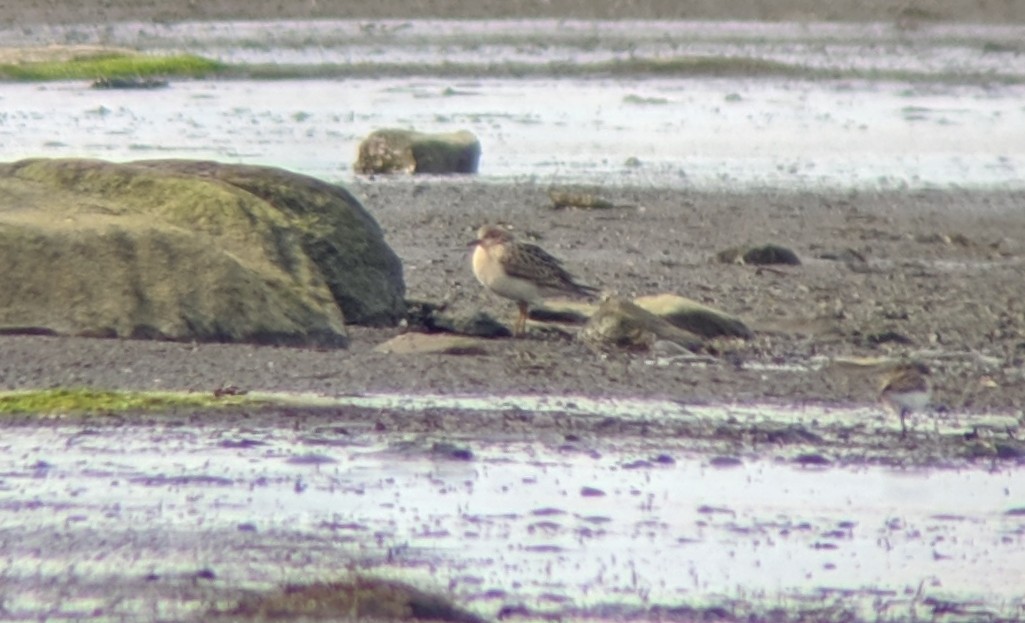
(88, 401)
(114, 65)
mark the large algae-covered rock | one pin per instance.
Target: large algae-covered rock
(188, 250)
(342, 240)
(407, 151)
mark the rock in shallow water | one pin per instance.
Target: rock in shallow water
(406, 151)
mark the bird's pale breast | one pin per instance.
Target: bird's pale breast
(487, 267)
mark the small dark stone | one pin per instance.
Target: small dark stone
(229, 390)
(241, 443)
(760, 255)
(564, 316)
(1009, 450)
(705, 509)
(885, 337)
(310, 459)
(446, 450)
(794, 433)
(513, 610)
(421, 315)
(638, 464)
(725, 461)
(479, 324)
(206, 574)
(129, 83)
(591, 492)
(548, 511)
(811, 459)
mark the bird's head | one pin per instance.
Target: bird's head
(491, 235)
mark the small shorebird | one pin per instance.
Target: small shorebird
(906, 389)
(520, 271)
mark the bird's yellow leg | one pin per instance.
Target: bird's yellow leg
(521, 322)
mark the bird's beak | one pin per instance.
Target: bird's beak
(472, 243)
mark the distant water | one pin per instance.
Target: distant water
(941, 50)
(837, 106)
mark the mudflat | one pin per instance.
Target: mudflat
(934, 275)
(930, 274)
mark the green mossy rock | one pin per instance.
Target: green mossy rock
(189, 250)
(406, 151)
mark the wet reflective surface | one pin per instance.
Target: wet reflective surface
(707, 133)
(955, 123)
(555, 524)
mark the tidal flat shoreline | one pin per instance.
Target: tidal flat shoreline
(938, 278)
(157, 516)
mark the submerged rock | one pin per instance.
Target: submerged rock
(189, 250)
(406, 151)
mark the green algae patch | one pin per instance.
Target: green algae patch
(110, 65)
(82, 401)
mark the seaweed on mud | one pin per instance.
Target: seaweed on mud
(351, 599)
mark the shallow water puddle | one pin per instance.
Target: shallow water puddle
(552, 526)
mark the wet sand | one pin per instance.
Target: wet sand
(936, 275)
